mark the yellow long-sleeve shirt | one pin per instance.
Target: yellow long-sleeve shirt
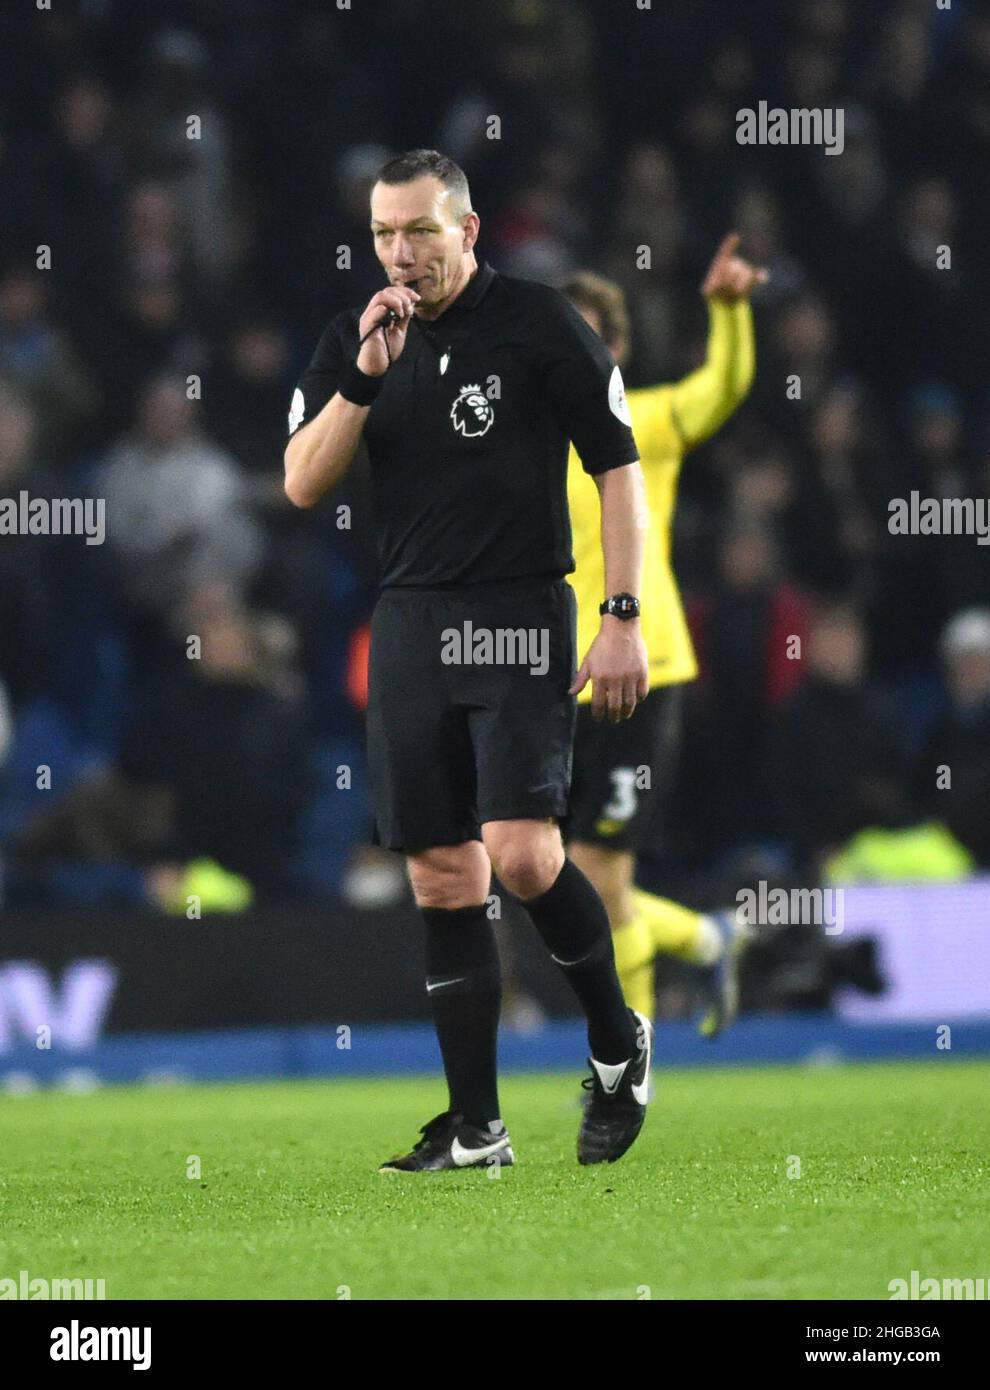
(667, 421)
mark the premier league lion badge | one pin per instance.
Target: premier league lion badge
(472, 412)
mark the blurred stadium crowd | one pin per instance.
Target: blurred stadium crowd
(216, 258)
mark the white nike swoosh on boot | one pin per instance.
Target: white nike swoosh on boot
(641, 1093)
(464, 1158)
(610, 1074)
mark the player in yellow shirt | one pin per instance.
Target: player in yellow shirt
(620, 769)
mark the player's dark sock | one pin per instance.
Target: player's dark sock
(464, 982)
(571, 918)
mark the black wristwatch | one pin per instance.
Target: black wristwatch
(623, 606)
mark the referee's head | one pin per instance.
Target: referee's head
(424, 228)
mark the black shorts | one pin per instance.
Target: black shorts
(623, 772)
(469, 716)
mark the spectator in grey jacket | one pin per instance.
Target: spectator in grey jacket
(177, 506)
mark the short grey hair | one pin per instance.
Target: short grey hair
(415, 163)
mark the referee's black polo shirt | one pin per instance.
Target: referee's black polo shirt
(468, 437)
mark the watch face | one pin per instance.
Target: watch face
(622, 606)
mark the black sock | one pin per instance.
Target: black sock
(571, 918)
(464, 982)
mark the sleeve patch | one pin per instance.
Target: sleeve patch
(617, 402)
(297, 410)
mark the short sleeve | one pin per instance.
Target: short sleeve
(586, 390)
(318, 383)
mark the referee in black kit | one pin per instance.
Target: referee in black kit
(467, 386)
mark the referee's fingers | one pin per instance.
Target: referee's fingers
(599, 699)
(580, 680)
(615, 700)
(399, 300)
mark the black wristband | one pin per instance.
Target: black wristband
(357, 387)
(621, 606)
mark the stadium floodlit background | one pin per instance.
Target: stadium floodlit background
(216, 253)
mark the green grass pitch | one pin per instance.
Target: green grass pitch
(893, 1176)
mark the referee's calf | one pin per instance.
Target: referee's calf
(466, 386)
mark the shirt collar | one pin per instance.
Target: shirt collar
(478, 286)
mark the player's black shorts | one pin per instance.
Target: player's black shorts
(469, 719)
(623, 772)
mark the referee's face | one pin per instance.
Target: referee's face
(418, 236)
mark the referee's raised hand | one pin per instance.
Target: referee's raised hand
(375, 357)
